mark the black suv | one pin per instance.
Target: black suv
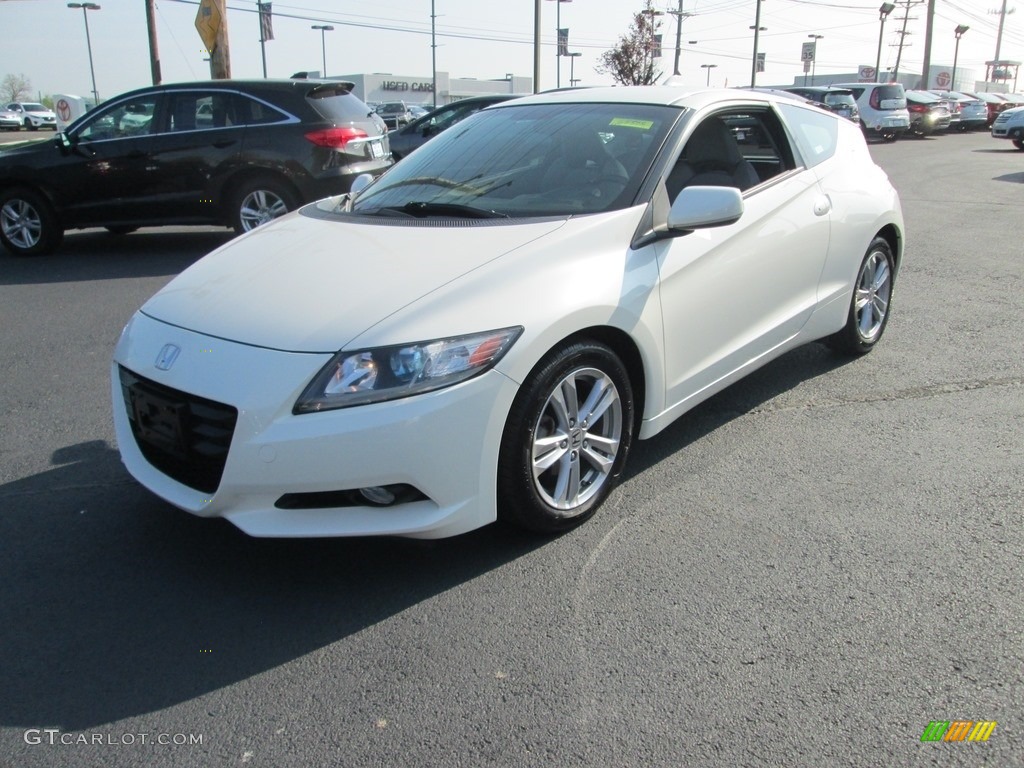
(231, 152)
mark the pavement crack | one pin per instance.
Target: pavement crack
(61, 488)
(913, 393)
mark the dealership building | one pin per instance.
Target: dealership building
(379, 87)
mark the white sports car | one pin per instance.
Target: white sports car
(484, 330)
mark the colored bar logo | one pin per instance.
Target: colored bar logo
(958, 730)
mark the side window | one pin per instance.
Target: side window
(815, 132)
(125, 120)
(735, 148)
(252, 112)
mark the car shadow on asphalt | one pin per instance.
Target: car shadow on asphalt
(747, 395)
(98, 255)
(117, 605)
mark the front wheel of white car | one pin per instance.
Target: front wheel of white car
(871, 302)
(567, 438)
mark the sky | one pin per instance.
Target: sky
(46, 41)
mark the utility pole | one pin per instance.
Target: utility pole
(220, 56)
(999, 35)
(679, 33)
(154, 54)
(925, 77)
(907, 5)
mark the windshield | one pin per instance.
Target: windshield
(527, 160)
(836, 99)
(35, 108)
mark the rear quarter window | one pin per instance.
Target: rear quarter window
(816, 133)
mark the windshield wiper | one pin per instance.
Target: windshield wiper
(422, 209)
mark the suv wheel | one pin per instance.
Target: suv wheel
(28, 225)
(1018, 142)
(259, 200)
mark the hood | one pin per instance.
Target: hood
(307, 284)
(11, 154)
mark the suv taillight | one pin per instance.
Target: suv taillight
(336, 138)
(875, 100)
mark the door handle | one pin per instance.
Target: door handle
(822, 205)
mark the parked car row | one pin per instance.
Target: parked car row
(888, 111)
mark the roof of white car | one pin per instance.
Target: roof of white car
(680, 96)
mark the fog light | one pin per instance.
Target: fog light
(381, 495)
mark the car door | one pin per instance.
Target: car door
(105, 165)
(733, 294)
(202, 143)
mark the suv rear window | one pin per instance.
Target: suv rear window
(337, 104)
(886, 92)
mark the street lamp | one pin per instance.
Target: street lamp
(652, 42)
(572, 68)
(708, 67)
(814, 58)
(86, 7)
(324, 29)
(959, 32)
(883, 14)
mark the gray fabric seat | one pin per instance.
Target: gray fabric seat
(583, 160)
(711, 158)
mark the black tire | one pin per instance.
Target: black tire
(1018, 143)
(120, 230)
(579, 458)
(29, 126)
(260, 199)
(871, 303)
(28, 225)
(889, 136)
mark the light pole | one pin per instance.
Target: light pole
(572, 68)
(883, 14)
(649, 74)
(959, 32)
(86, 7)
(708, 67)
(324, 29)
(814, 57)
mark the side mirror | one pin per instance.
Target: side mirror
(63, 141)
(703, 207)
(359, 183)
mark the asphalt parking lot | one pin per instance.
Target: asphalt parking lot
(806, 570)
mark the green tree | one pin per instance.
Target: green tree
(15, 88)
(631, 62)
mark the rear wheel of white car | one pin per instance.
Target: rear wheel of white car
(566, 439)
(28, 225)
(871, 302)
(260, 200)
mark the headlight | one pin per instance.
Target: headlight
(386, 373)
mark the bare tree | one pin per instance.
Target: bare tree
(15, 88)
(631, 62)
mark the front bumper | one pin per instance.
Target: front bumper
(1007, 131)
(444, 444)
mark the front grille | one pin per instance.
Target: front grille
(184, 436)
